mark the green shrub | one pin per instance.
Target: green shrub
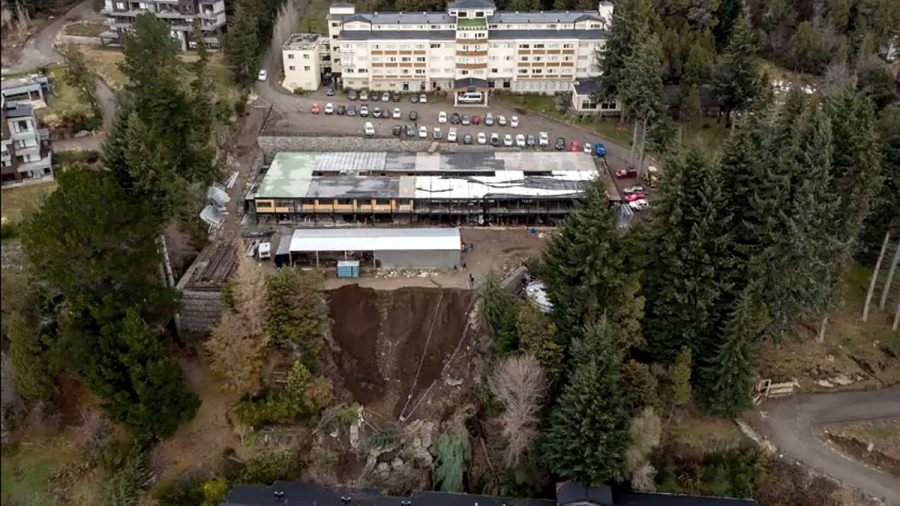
(9, 230)
(303, 398)
(269, 467)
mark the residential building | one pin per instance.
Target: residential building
(35, 88)
(470, 46)
(24, 149)
(284, 493)
(178, 14)
(585, 99)
(306, 58)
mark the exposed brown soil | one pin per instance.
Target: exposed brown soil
(383, 336)
(859, 450)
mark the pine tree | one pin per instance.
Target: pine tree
(641, 90)
(79, 75)
(452, 453)
(537, 337)
(588, 433)
(523, 5)
(737, 78)
(32, 373)
(498, 315)
(728, 14)
(242, 44)
(681, 378)
(629, 28)
(639, 387)
(297, 312)
(689, 104)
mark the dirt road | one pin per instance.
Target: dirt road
(792, 424)
(38, 50)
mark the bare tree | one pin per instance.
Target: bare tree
(519, 386)
(235, 353)
(874, 280)
(890, 277)
(249, 294)
(645, 433)
(643, 478)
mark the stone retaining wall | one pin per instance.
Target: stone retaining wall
(11, 257)
(78, 40)
(200, 310)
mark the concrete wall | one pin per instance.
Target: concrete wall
(271, 144)
(78, 40)
(200, 310)
(418, 259)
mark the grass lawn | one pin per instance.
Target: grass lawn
(65, 97)
(700, 431)
(85, 29)
(25, 470)
(16, 200)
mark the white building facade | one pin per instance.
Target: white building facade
(471, 45)
(305, 58)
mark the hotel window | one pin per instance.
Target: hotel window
(406, 59)
(291, 56)
(536, 71)
(291, 67)
(306, 68)
(539, 46)
(494, 71)
(493, 27)
(583, 57)
(554, 46)
(537, 58)
(464, 72)
(420, 59)
(567, 45)
(420, 71)
(524, 46)
(523, 71)
(343, 202)
(305, 56)
(363, 71)
(264, 204)
(508, 58)
(284, 203)
(524, 58)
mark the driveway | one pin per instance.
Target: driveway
(792, 424)
(38, 50)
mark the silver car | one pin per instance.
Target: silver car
(385, 97)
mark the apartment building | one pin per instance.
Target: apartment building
(306, 58)
(24, 149)
(178, 14)
(470, 45)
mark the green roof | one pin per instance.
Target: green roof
(471, 23)
(289, 175)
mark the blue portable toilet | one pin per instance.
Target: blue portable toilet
(348, 268)
(599, 149)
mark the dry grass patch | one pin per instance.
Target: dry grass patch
(15, 201)
(883, 434)
(709, 434)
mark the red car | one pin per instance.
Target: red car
(635, 196)
(315, 108)
(626, 173)
(576, 146)
(476, 119)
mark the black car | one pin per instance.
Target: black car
(560, 144)
(396, 130)
(529, 141)
(455, 119)
(495, 140)
(329, 92)
(414, 99)
(410, 131)
(467, 139)
(341, 110)
(351, 111)
(395, 97)
(413, 116)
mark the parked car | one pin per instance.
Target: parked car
(476, 120)
(397, 130)
(423, 98)
(560, 144)
(413, 116)
(454, 118)
(514, 122)
(508, 140)
(314, 108)
(495, 140)
(467, 139)
(451, 135)
(635, 196)
(414, 99)
(639, 205)
(385, 97)
(437, 134)
(410, 131)
(341, 110)
(351, 94)
(482, 138)
(395, 97)
(369, 128)
(442, 117)
(466, 120)
(423, 131)
(262, 75)
(599, 149)
(351, 110)
(489, 119)
(626, 173)
(396, 113)
(543, 139)
(520, 141)
(575, 147)
(376, 112)
(529, 141)
(634, 189)
(329, 92)
(364, 111)
(501, 120)
(587, 148)
(329, 108)
(364, 96)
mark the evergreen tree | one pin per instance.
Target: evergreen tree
(297, 313)
(737, 78)
(638, 387)
(588, 433)
(79, 75)
(689, 104)
(681, 378)
(32, 373)
(537, 337)
(242, 43)
(523, 5)
(498, 315)
(728, 14)
(641, 89)
(452, 453)
(884, 215)
(688, 243)
(629, 28)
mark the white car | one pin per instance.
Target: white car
(262, 75)
(482, 138)
(442, 117)
(520, 140)
(634, 189)
(489, 119)
(423, 131)
(639, 204)
(507, 140)
(514, 122)
(364, 96)
(588, 148)
(396, 113)
(423, 98)
(501, 120)
(543, 139)
(451, 135)
(370, 129)
(329, 108)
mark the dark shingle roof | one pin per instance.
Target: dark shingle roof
(471, 4)
(587, 86)
(546, 34)
(18, 110)
(397, 35)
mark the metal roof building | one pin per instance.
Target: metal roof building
(392, 248)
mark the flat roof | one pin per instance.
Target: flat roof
(547, 34)
(304, 41)
(375, 239)
(397, 35)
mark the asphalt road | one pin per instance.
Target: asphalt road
(792, 424)
(38, 50)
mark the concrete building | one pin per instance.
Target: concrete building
(178, 14)
(34, 88)
(306, 58)
(388, 248)
(478, 188)
(585, 100)
(537, 52)
(24, 149)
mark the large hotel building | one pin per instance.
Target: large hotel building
(471, 45)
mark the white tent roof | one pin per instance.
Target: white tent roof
(376, 239)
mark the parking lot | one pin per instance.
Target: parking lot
(291, 115)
